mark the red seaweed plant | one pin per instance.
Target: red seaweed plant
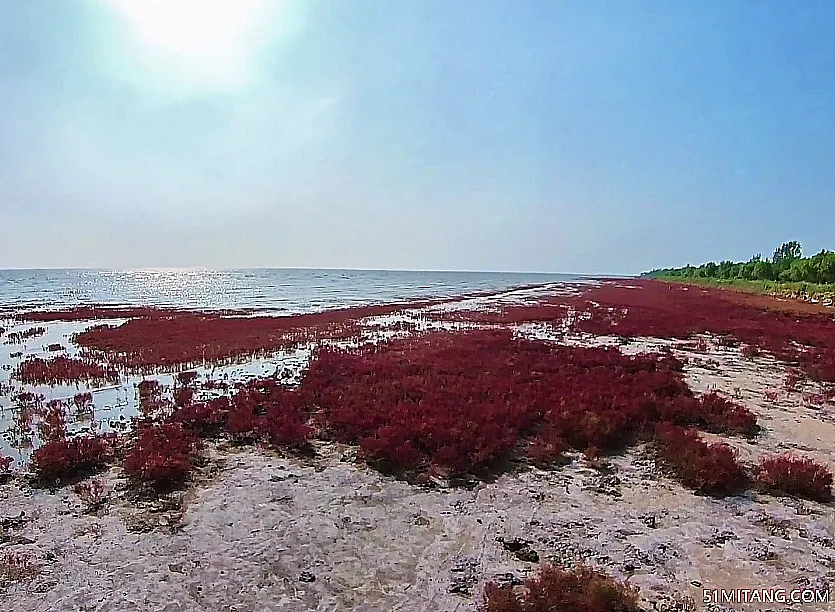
(82, 399)
(580, 589)
(462, 401)
(64, 458)
(653, 308)
(186, 378)
(29, 399)
(162, 455)
(711, 469)
(153, 404)
(181, 339)
(205, 418)
(53, 424)
(5, 468)
(93, 493)
(798, 476)
(64, 370)
(23, 336)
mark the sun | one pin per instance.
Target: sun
(200, 40)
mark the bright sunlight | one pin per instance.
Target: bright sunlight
(207, 41)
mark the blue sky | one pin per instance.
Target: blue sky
(566, 136)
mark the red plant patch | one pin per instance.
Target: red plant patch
(664, 310)
(64, 370)
(186, 378)
(53, 424)
(82, 399)
(798, 476)
(205, 418)
(5, 467)
(23, 336)
(580, 589)
(93, 493)
(262, 408)
(161, 455)
(711, 469)
(197, 338)
(68, 458)
(462, 401)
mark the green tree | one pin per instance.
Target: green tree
(763, 270)
(787, 253)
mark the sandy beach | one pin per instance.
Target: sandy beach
(257, 528)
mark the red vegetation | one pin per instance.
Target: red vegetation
(29, 399)
(462, 401)
(152, 401)
(197, 338)
(161, 455)
(711, 469)
(53, 425)
(580, 589)
(664, 310)
(798, 476)
(205, 418)
(82, 399)
(792, 382)
(264, 409)
(186, 378)
(93, 493)
(721, 415)
(5, 467)
(67, 458)
(770, 396)
(23, 336)
(64, 370)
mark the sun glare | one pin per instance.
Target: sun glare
(201, 40)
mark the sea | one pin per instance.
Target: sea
(289, 291)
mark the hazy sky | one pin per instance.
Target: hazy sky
(566, 136)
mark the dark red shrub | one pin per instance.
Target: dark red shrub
(82, 399)
(161, 455)
(205, 418)
(463, 401)
(5, 467)
(67, 458)
(721, 415)
(792, 381)
(798, 476)
(183, 396)
(22, 336)
(153, 403)
(263, 409)
(53, 425)
(711, 469)
(580, 589)
(186, 378)
(63, 370)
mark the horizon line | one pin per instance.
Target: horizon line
(221, 269)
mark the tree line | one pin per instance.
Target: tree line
(787, 264)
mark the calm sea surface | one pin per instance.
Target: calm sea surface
(287, 290)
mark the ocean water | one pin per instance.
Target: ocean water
(280, 290)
